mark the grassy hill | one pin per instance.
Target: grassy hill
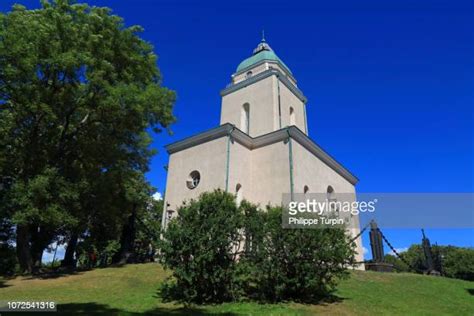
(132, 289)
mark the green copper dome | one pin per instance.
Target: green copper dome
(262, 52)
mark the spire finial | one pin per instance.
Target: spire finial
(262, 45)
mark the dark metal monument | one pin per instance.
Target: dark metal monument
(425, 243)
(376, 244)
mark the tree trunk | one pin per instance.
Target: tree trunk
(70, 250)
(37, 256)
(23, 249)
(40, 238)
(127, 239)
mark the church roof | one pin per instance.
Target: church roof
(251, 143)
(262, 52)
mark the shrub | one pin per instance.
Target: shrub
(298, 264)
(200, 245)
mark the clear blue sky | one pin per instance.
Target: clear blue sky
(390, 84)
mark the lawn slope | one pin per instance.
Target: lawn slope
(132, 289)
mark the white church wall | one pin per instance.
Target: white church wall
(240, 164)
(311, 171)
(209, 159)
(260, 97)
(270, 174)
(289, 99)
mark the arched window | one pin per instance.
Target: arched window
(292, 116)
(245, 118)
(238, 193)
(248, 74)
(305, 189)
(331, 196)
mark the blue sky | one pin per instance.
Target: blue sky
(390, 84)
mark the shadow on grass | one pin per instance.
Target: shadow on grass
(54, 274)
(470, 291)
(62, 272)
(331, 299)
(94, 309)
(313, 301)
(316, 301)
(3, 284)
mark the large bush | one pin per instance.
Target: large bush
(296, 264)
(200, 245)
(221, 252)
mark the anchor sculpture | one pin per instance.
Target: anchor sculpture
(376, 245)
(425, 243)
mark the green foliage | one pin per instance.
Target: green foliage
(109, 251)
(200, 245)
(451, 261)
(298, 264)
(398, 264)
(149, 223)
(44, 199)
(79, 92)
(7, 260)
(7, 251)
(457, 262)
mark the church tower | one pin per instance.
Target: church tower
(263, 96)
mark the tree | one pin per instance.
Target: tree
(78, 98)
(451, 261)
(458, 262)
(398, 264)
(201, 245)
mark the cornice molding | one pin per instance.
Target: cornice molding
(262, 75)
(264, 140)
(261, 63)
(200, 138)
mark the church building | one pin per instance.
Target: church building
(261, 149)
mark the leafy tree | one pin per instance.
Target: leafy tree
(457, 262)
(451, 261)
(79, 93)
(201, 246)
(149, 222)
(398, 264)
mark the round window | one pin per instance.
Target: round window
(193, 179)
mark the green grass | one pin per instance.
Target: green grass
(132, 290)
